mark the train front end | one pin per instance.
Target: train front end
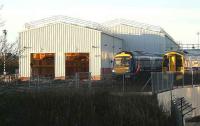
(123, 64)
(173, 62)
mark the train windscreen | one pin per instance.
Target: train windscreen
(122, 61)
(179, 63)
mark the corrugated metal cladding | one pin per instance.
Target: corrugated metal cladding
(61, 38)
(110, 46)
(139, 39)
(170, 45)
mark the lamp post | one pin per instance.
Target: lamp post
(4, 51)
(198, 33)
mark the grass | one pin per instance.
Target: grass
(76, 107)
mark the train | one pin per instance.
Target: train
(130, 63)
(181, 61)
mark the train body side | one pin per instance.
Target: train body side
(131, 64)
(192, 62)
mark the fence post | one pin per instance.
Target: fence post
(38, 81)
(157, 83)
(89, 78)
(29, 84)
(183, 80)
(152, 83)
(50, 81)
(182, 123)
(162, 81)
(35, 82)
(192, 79)
(77, 79)
(123, 82)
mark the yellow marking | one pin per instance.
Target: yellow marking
(173, 53)
(123, 55)
(121, 70)
(172, 61)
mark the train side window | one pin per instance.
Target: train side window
(179, 62)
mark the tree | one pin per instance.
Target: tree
(8, 51)
(9, 54)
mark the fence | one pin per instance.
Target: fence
(145, 81)
(8, 79)
(165, 81)
(107, 82)
(161, 81)
(189, 46)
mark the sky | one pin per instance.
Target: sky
(179, 18)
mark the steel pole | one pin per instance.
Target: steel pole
(4, 52)
(198, 33)
(4, 63)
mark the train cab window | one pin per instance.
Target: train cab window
(126, 61)
(117, 62)
(122, 61)
(179, 63)
(166, 62)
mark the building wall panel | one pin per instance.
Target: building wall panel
(109, 46)
(138, 39)
(60, 38)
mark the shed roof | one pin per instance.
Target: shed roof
(65, 19)
(132, 23)
(104, 27)
(69, 20)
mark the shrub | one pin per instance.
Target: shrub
(79, 108)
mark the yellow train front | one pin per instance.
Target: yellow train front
(184, 65)
(173, 62)
(123, 64)
(181, 62)
(130, 64)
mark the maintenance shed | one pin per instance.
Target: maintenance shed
(60, 46)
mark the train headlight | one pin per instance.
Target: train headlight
(113, 70)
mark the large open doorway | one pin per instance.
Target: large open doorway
(76, 62)
(43, 65)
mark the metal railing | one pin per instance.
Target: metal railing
(85, 80)
(181, 109)
(189, 46)
(161, 81)
(165, 81)
(6, 79)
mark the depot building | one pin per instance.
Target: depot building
(62, 46)
(59, 46)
